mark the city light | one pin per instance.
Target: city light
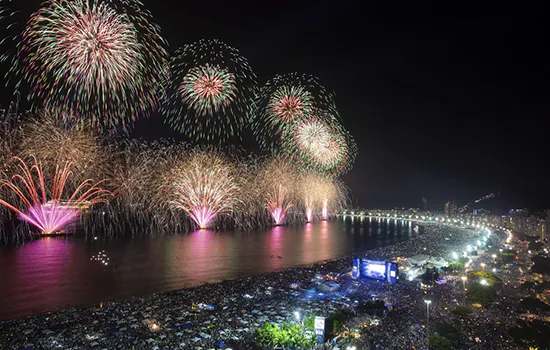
(103, 65)
(464, 279)
(428, 302)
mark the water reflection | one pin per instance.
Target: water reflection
(276, 247)
(42, 265)
(308, 236)
(49, 274)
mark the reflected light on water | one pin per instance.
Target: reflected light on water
(54, 273)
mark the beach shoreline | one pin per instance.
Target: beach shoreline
(208, 315)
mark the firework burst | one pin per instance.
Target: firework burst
(332, 195)
(278, 204)
(288, 104)
(321, 193)
(204, 186)
(309, 186)
(320, 144)
(48, 210)
(276, 181)
(210, 91)
(48, 138)
(101, 60)
(285, 100)
(12, 21)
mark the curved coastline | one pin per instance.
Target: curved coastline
(227, 297)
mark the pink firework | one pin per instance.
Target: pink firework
(289, 104)
(52, 210)
(309, 215)
(208, 86)
(204, 186)
(203, 216)
(208, 89)
(309, 208)
(50, 217)
(325, 209)
(328, 153)
(288, 107)
(278, 204)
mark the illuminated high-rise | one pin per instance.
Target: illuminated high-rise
(451, 209)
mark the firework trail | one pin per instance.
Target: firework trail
(277, 204)
(13, 17)
(484, 198)
(210, 91)
(204, 186)
(333, 196)
(309, 189)
(130, 171)
(50, 210)
(309, 204)
(285, 100)
(55, 143)
(103, 61)
(50, 217)
(9, 129)
(10, 134)
(277, 185)
(130, 181)
(320, 193)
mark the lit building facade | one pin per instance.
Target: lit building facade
(451, 209)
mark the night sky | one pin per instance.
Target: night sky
(445, 102)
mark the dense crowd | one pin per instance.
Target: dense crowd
(226, 315)
(436, 240)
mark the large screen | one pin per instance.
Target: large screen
(375, 269)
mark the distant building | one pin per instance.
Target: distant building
(451, 209)
(532, 225)
(481, 212)
(545, 223)
(518, 213)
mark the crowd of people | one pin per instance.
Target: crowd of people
(226, 315)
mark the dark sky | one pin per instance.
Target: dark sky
(445, 101)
